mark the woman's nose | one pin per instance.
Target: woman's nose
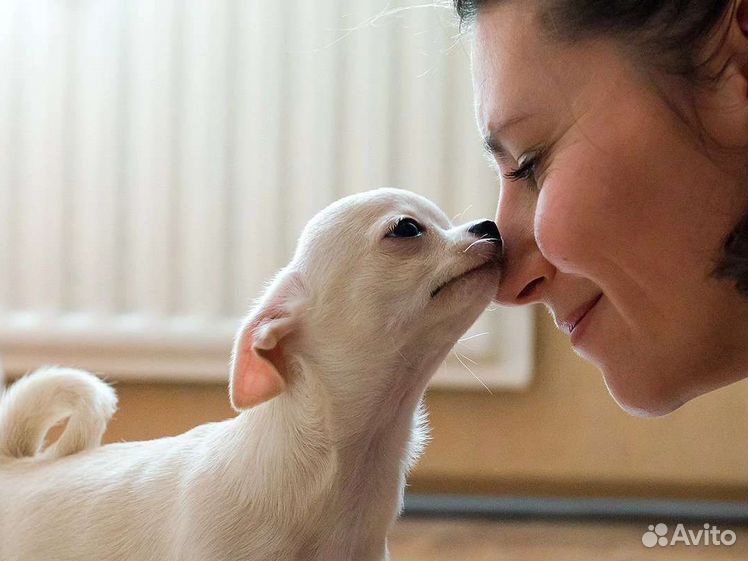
(525, 278)
(526, 272)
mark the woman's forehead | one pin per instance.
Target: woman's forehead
(510, 65)
(507, 39)
(519, 74)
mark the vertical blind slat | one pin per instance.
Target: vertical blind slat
(259, 152)
(203, 161)
(149, 145)
(10, 67)
(39, 159)
(94, 177)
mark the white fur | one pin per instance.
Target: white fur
(314, 473)
(37, 402)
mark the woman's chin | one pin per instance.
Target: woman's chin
(640, 395)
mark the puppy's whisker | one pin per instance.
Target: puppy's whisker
(472, 337)
(456, 216)
(469, 359)
(473, 373)
(476, 242)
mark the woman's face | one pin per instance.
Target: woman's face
(623, 224)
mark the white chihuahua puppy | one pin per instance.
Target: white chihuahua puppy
(328, 373)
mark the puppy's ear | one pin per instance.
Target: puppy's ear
(258, 369)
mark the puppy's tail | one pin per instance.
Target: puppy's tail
(38, 401)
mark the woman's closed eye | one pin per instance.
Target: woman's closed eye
(527, 169)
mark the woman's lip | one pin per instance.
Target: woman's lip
(569, 324)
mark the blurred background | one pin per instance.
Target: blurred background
(157, 162)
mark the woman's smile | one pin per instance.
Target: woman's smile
(574, 324)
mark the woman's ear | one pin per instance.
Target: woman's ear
(258, 368)
(723, 108)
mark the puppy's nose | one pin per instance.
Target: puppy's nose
(486, 229)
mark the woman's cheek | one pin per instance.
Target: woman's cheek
(566, 228)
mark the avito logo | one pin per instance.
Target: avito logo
(657, 535)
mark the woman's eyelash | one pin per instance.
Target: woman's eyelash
(527, 170)
(522, 172)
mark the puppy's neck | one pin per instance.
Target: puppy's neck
(288, 440)
(348, 429)
(377, 434)
(344, 458)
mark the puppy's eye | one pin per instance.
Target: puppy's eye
(405, 228)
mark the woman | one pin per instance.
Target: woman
(619, 130)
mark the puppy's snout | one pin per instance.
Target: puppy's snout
(486, 230)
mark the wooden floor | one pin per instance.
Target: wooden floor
(465, 540)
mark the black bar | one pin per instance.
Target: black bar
(603, 509)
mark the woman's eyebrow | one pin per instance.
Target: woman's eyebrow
(490, 142)
(493, 146)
